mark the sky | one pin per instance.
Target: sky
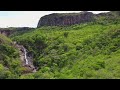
(27, 18)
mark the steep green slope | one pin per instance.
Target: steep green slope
(9, 59)
(88, 50)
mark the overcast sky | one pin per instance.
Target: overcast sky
(26, 18)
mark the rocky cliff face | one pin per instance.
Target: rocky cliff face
(6, 32)
(63, 19)
(9, 31)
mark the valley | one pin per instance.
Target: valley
(63, 46)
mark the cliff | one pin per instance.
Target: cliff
(62, 19)
(10, 31)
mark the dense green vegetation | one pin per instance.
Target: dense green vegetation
(90, 50)
(85, 51)
(10, 66)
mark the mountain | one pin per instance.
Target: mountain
(63, 19)
(67, 19)
(89, 49)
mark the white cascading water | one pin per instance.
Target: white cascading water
(26, 60)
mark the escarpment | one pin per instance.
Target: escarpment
(63, 19)
(10, 31)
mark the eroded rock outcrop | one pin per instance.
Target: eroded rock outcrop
(9, 31)
(62, 19)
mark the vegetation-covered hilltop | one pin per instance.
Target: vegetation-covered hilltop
(81, 51)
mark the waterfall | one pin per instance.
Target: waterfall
(26, 60)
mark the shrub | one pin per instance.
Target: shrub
(66, 34)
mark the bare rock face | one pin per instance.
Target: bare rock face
(5, 32)
(64, 19)
(9, 31)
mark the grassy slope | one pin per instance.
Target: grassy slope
(9, 59)
(79, 51)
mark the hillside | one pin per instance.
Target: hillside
(9, 59)
(12, 63)
(79, 51)
(88, 48)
